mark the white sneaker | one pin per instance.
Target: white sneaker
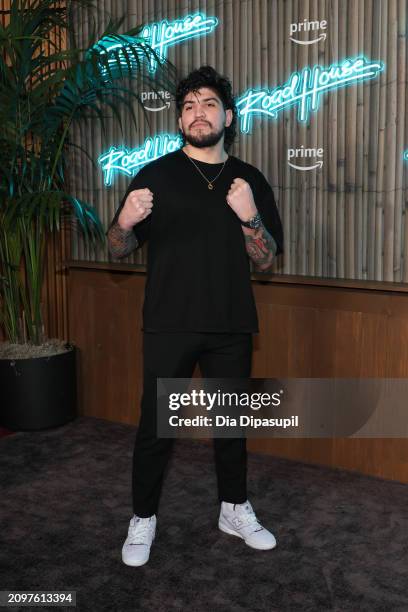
(136, 549)
(240, 520)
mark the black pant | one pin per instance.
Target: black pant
(175, 355)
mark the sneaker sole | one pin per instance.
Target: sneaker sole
(134, 564)
(137, 563)
(226, 529)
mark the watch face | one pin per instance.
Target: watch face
(255, 222)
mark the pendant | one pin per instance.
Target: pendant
(210, 186)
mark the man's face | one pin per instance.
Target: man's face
(203, 119)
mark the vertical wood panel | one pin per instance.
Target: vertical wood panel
(346, 220)
(304, 332)
(58, 248)
(353, 210)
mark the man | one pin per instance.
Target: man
(204, 212)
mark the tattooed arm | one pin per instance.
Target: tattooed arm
(135, 209)
(260, 246)
(121, 242)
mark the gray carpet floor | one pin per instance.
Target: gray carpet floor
(66, 506)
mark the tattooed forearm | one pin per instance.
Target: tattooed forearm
(260, 246)
(121, 242)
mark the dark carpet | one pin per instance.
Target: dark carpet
(66, 506)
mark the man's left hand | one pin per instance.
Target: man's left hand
(241, 199)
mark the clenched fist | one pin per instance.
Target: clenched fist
(138, 205)
(241, 200)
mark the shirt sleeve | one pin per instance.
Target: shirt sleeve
(266, 205)
(142, 229)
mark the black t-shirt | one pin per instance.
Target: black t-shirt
(198, 273)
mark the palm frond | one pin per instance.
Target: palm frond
(44, 90)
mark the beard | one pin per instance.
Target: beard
(204, 139)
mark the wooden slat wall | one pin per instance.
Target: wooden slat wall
(320, 332)
(59, 246)
(305, 331)
(322, 231)
(58, 250)
(347, 220)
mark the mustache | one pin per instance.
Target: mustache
(193, 124)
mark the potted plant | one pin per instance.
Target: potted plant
(43, 90)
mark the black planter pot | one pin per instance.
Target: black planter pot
(38, 393)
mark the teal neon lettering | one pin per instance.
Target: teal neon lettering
(304, 89)
(159, 36)
(163, 34)
(129, 162)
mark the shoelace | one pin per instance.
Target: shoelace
(247, 516)
(139, 532)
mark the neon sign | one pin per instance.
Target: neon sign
(159, 36)
(128, 162)
(304, 89)
(164, 34)
(120, 65)
(406, 155)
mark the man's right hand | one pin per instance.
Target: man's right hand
(138, 205)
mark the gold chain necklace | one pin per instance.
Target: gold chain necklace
(210, 183)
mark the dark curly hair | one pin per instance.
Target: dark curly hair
(206, 76)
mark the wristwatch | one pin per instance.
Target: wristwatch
(254, 222)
